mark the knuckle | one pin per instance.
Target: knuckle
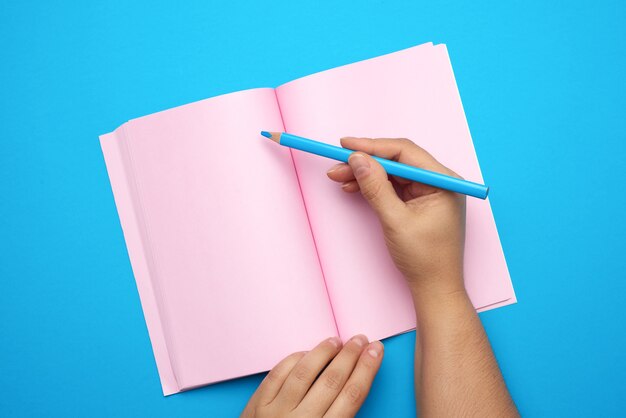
(354, 393)
(260, 411)
(377, 146)
(282, 369)
(368, 362)
(333, 380)
(301, 373)
(371, 191)
(297, 356)
(273, 375)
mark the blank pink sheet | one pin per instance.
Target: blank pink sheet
(218, 238)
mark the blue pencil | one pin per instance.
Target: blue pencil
(394, 168)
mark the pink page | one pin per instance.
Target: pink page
(217, 233)
(412, 94)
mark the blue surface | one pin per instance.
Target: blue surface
(542, 85)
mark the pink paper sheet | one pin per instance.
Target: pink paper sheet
(221, 248)
(411, 94)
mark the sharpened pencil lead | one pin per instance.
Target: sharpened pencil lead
(274, 136)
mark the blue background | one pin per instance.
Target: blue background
(542, 85)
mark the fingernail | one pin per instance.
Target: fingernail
(335, 341)
(375, 349)
(360, 165)
(360, 340)
(335, 168)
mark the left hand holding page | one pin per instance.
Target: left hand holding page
(295, 387)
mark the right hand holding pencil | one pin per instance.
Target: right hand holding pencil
(424, 227)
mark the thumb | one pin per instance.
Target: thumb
(374, 184)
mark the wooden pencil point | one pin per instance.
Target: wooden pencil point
(274, 136)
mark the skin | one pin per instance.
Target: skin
(331, 381)
(456, 373)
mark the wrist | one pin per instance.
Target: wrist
(442, 293)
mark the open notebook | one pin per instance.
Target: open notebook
(244, 251)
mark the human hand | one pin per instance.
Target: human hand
(295, 387)
(424, 227)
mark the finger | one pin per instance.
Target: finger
(414, 190)
(375, 185)
(400, 180)
(305, 372)
(406, 152)
(273, 381)
(409, 190)
(340, 172)
(400, 149)
(358, 385)
(350, 186)
(326, 388)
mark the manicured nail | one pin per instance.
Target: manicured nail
(375, 349)
(335, 168)
(360, 165)
(360, 340)
(335, 341)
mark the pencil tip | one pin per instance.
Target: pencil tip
(274, 136)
